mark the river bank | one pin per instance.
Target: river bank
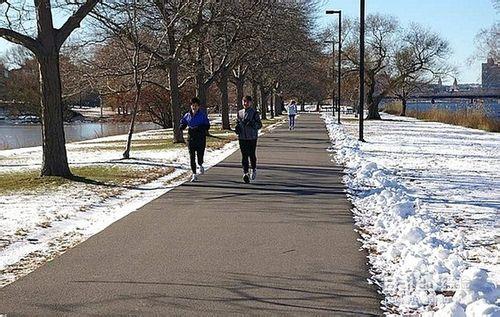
(476, 117)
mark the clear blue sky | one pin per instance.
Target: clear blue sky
(458, 21)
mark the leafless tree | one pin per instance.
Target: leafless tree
(45, 42)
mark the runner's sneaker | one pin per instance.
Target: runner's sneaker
(202, 170)
(246, 178)
(194, 178)
(253, 175)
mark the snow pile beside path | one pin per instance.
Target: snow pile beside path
(416, 264)
(475, 296)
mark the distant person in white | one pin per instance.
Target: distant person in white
(292, 112)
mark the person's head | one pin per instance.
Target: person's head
(195, 104)
(293, 102)
(247, 102)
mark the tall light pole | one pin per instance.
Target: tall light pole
(361, 67)
(339, 72)
(333, 75)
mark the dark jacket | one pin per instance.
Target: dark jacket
(198, 126)
(248, 124)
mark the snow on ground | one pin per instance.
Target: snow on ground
(426, 202)
(36, 226)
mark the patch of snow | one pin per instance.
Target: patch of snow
(426, 198)
(52, 219)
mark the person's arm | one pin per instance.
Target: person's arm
(237, 127)
(184, 122)
(258, 122)
(207, 121)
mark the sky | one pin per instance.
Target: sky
(458, 21)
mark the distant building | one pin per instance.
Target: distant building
(455, 86)
(490, 74)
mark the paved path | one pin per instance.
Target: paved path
(284, 245)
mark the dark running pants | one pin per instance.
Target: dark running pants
(291, 120)
(248, 148)
(196, 150)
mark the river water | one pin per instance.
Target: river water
(13, 136)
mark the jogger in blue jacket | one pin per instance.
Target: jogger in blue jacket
(198, 125)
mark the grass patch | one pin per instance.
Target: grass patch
(28, 181)
(475, 118)
(107, 174)
(120, 175)
(138, 145)
(220, 141)
(394, 108)
(16, 182)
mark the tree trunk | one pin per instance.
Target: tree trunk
(403, 107)
(201, 93)
(317, 106)
(173, 74)
(224, 100)
(240, 85)
(263, 102)
(126, 154)
(55, 160)
(372, 101)
(255, 92)
(272, 105)
(278, 109)
(303, 106)
(373, 113)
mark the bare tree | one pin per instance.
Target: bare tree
(487, 43)
(396, 61)
(420, 59)
(46, 46)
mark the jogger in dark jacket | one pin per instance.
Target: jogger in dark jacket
(198, 125)
(247, 127)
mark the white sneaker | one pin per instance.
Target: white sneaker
(253, 175)
(202, 170)
(194, 178)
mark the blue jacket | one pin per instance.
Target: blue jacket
(199, 120)
(198, 125)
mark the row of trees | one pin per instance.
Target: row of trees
(167, 48)
(398, 61)
(154, 55)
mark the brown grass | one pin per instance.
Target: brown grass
(393, 108)
(475, 118)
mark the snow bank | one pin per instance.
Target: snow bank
(415, 260)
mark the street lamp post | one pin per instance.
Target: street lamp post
(333, 75)
(361, 67)
(339, 72)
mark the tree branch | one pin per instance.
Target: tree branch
(74, 21)
(21, 39)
